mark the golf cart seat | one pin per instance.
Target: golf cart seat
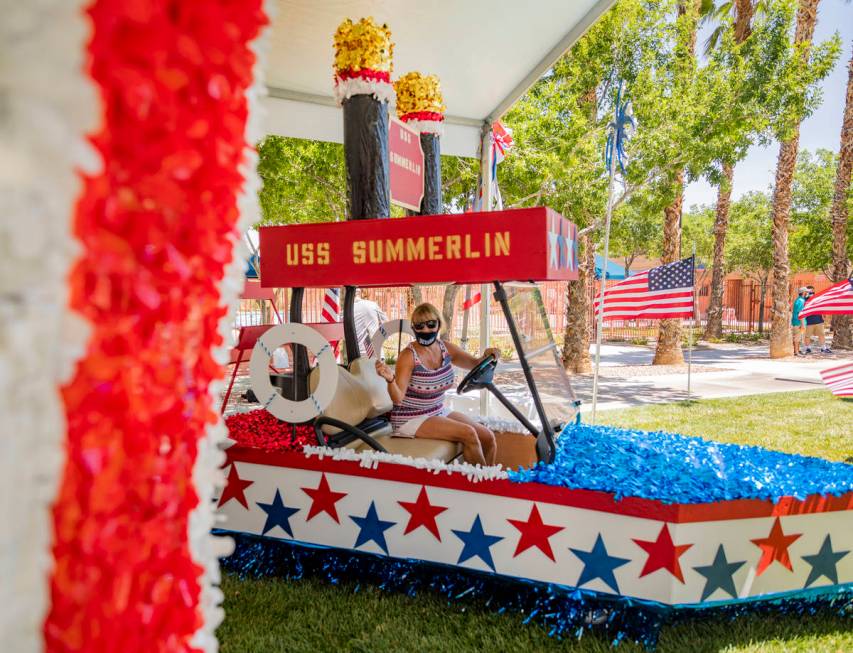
(362, 400)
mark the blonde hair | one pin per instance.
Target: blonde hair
(425, 311)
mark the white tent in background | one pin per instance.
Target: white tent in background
(486, 54)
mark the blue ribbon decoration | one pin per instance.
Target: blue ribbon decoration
(619, 132)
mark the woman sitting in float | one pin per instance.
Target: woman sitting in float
(424, 373)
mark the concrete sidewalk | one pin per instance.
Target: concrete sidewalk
(629, 379)
(743, 370)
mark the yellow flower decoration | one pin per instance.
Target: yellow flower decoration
(363, 45)
(417, 92)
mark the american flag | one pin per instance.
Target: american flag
(839, 379)
(502, 142)
(662, 292)
(835, 300)
(472, 301)
(331, 305)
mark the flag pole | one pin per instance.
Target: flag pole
(692, 326)
(600, 321)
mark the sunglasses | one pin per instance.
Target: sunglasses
(428, 324)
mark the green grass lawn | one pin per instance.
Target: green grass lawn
(271, 615)
(812, 423)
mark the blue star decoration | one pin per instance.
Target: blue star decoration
(278, 514)
(598, 564)
(719, 575)
(372, 528)
(477, 544)
(824, 563)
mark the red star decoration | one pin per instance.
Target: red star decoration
(323, 500)
(235, 488)
(774, 547)
(534, 533)
(663, 554)
(423, 513)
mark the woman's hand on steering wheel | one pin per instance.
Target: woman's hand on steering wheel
(492, 351)
(479, 375)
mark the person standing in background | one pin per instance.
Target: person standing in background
(797, 325)
(815, 328)
(368, 316)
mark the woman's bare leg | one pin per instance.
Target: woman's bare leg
(484, 433)
(444, 428)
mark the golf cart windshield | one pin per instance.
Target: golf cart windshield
(539, 349)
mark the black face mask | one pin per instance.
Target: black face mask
(426, 338)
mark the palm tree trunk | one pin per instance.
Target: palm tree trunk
(578, 330)
(668, 351)
(841, 331)
(448, 309)
(714, 327)
(576, 338)
(780, 329)
(744, 10)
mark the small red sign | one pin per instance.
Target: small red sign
(407, 166)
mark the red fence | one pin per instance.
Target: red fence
(741, 308)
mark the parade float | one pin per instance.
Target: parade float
(598, 525)
(128, 134)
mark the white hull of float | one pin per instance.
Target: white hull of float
(675, 555)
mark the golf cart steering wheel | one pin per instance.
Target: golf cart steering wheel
(481, 374)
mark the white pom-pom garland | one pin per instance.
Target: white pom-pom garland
(346, 88)
(48, 104)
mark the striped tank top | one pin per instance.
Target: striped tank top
(425, 394)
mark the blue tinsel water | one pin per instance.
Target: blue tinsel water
(676, 468)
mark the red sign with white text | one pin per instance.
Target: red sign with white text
(535, 244)
(407, 165)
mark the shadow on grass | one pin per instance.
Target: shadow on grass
(273, 614)
(824, 631)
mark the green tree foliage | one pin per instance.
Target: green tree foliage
(698, 231)
(750, 250)
(811, 235)
(303, 181)
(635, 232)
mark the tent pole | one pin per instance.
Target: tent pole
(485, 205)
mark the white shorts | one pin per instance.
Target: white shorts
(409, 429)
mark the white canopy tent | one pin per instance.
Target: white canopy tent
(486, 54)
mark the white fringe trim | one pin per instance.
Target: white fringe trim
(371, 460)
(346, 88)
(48, 105)
(427, 126)
(208, 477)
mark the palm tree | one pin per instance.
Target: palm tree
(780, 330)
(668, 350)
(743, 13)
(841, 331)
(577, 336)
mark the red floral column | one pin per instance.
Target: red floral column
(157, 228)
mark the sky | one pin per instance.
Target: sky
(821, 130)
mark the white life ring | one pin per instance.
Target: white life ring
(386, 330)
(287, 409)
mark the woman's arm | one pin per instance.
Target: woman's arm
(461, 358)
(398, 380)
